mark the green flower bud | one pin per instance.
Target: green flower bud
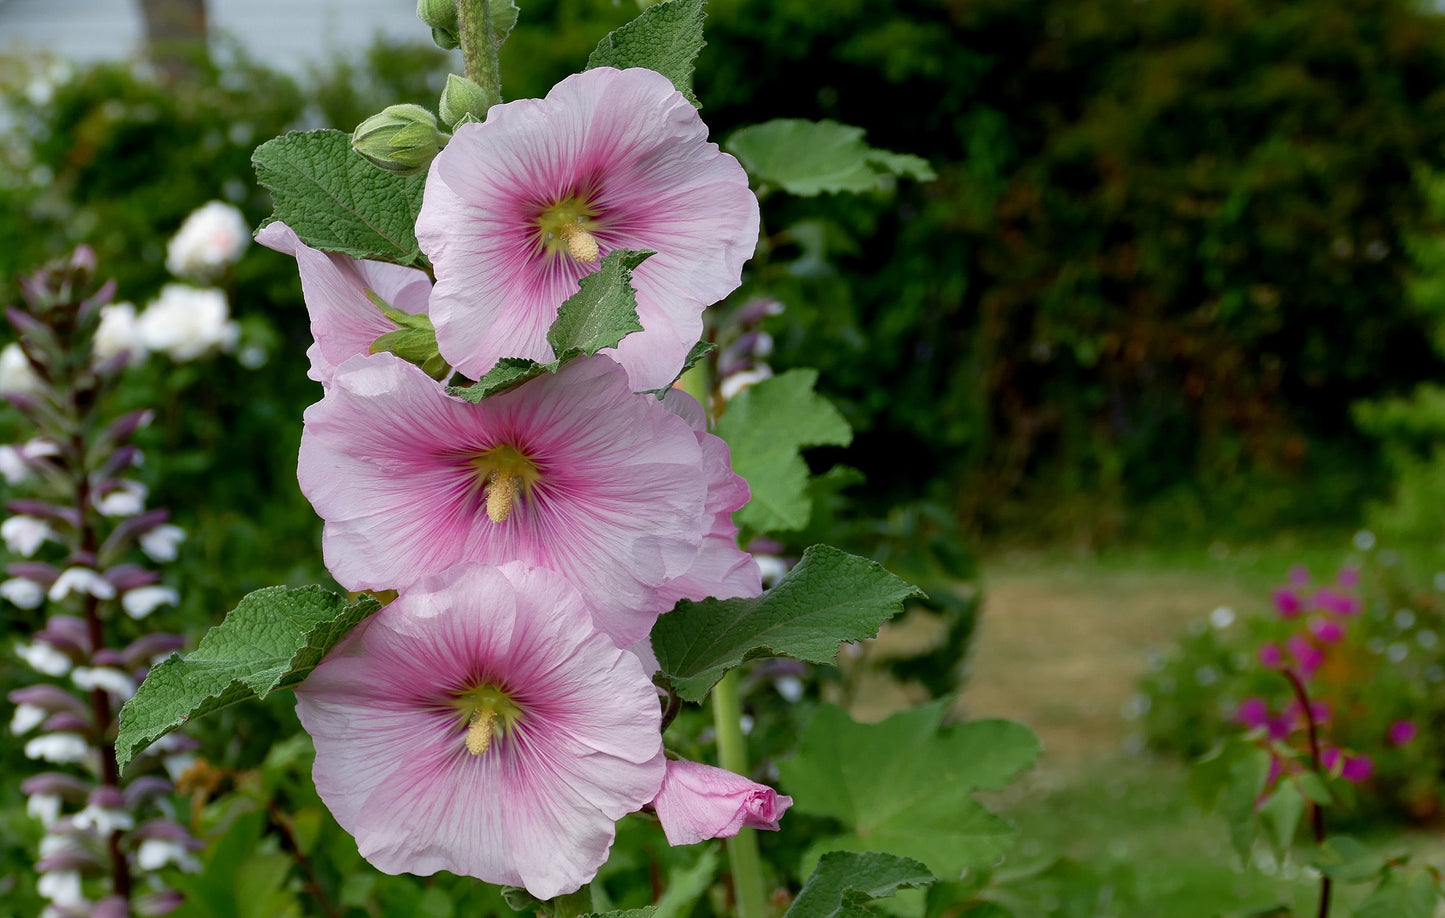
(402, 139)
(441, 15)
(463, 101)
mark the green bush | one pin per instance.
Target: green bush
(1385, 667)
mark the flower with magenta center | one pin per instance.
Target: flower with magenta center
(572, 472)
(520, 207)
(480, 724)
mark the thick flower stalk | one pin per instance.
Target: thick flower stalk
(480, 724)
(80, 535)
(520, 207)
(626, 499)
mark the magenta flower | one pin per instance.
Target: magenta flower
(571, 472)
(1287, 602)
(1299, 575)
(1356, 769)
(1252, 713)
(479, 724)
(699, 802)
(1348, 577)
(344, 320)
(1307, 657)
(520, 207)
(1270, 656)
(1403, 732)
(1327, 631)
(1335, 602)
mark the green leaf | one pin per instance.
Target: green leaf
(336, 201)
(867, 875)
(905, 785)
(765, 426)
(1345, 859)
(828, 598)
(813, 157)
(602, 312)
(686, 885)
(272, 639)
(1281, 814)
(1248, 773)
(1402, 893)
(504, 16)
(666, 37)
(599, 315)
(694, 357)
(645, 912)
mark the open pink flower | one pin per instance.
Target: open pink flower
(520, 207)
(570, 472)
(480, 725)
(698, 802)
(344, 320)
(721, 569)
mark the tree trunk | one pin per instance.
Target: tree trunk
(175, 37)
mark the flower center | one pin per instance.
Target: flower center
(567, 227)
(489, 713)
(506, 474)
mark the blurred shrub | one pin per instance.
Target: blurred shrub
(1372, 653)
(1164, 253)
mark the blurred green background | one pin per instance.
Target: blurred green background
(1179, 287)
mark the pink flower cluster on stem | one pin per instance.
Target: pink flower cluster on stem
(498, 717)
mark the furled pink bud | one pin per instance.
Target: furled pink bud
(698, 802)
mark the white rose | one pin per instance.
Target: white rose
(212, 237)
(187, 322)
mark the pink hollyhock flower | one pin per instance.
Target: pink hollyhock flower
(698, 802)
(479, 724)
(522, 206)
(1287, 602)
(570, 472)
(722, 569)
(1403, 732)
(344, 320)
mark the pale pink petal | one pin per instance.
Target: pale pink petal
(699, 802)
(630, 145)
(620, 506)
(536, 809)
(344, 320)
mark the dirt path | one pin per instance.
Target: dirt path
(1062, 650)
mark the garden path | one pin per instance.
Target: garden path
(1061, 648)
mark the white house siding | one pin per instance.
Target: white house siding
(285, 34)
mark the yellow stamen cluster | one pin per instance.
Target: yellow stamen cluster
(570, 227)
(506, 474)
(581, 244)
(489, 713)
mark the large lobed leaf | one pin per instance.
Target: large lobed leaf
(336, 201)
(272, 639)
(666, 37)
(844, 880)
(766, 426)
(599, 315)
(830, 597)
(813, 157)
(905, 785)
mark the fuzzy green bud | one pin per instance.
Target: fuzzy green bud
(441, 15)
(463, 101)
(402, 138)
